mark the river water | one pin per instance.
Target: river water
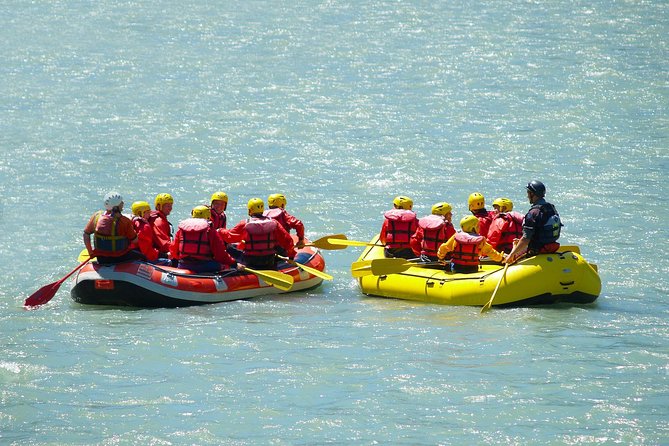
(340, 105)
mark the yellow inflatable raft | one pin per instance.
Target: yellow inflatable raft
(563, 276)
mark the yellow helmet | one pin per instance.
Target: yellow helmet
(402, 202)
(139, 207)
(256, 206)
(504, 204)
(222, 196)
(201, 212)
(276, 201)
(470, 224)
(442, 208)
(476, 201)
(508, 205)
(163, 198)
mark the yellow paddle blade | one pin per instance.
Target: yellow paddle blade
(380, 267)
(323, 243)
(309, 269)
(314, 271)
(83, 255)
(346, 242)
(277, 279)
(361, 268)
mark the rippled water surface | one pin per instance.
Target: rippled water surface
(340, 105)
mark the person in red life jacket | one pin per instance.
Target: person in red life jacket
(162, 228)
(144, 244)
(198, 247)
(277, 211)
(259, 236)
(433, 230)
(476, 203)
(218, 205)
(541, 225)
(399, 225)
(467, 246)
(506, 227)
(112, 231)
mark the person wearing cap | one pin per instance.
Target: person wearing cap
(467, 246)
(506, 227)
(476, 204)
(399, 224)
(277, 211)
(433, 230)
(218, 204)
(112, 232)
(162, 228)
(140, 214)
(541, 225)
(198, 247)
(259, 237)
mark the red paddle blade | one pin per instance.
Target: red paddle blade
(43, 295)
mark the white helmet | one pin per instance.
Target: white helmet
(113, 199)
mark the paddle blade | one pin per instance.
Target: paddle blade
(380, 267)
(277, 279)
(43, 295)
(309, 269)
(322, 243)
(361, 268)
(314, 271)
(83, 256)
(345, 242)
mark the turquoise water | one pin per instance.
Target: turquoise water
(341, 106)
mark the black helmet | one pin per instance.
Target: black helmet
(536, 187)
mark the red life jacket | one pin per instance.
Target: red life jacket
(402, 225)
(106, 238)
(144, 238)
(434, 234)
(261, 240)
(138, 223)
(219, 220)
(511, 229)
(279, 215)
(485, 218)
(467, 248)
(194, 243)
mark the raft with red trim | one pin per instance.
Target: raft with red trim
(564, 276)
(142, 284)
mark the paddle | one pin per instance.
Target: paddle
(323, 243)
(83, 255)
(46, 293)
(346, 242)
(380, 267)
(488, 304)
(309, 269)
(277, 279)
